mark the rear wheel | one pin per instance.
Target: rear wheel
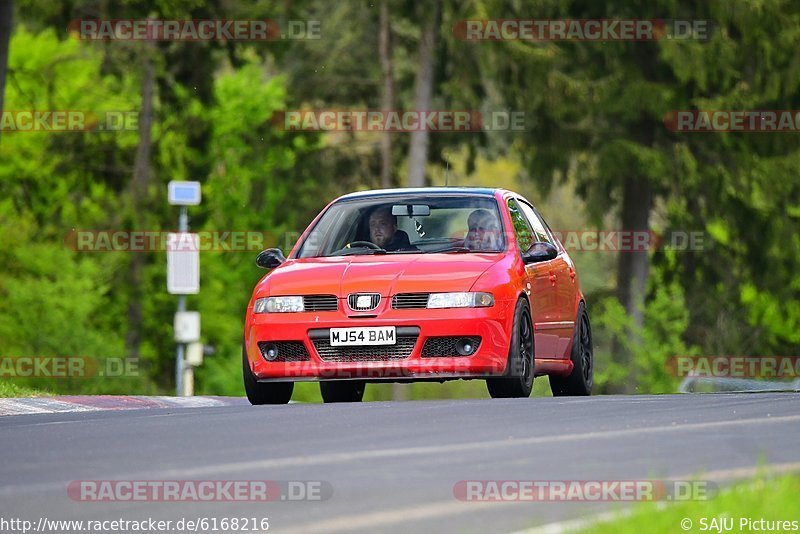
(518, 378)
(264, 392)
(342, 390)
(579, 382)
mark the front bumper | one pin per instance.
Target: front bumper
(490, 324)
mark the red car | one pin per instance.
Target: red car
(419, 284)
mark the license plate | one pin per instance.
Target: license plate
(377, 335)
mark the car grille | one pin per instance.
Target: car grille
(374, 300)
(288, 351)
(403, 301)
(438, 347)
(320, 303)
(406, 340)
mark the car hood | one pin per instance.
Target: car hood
(384, 274)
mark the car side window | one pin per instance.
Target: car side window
(522, 230)
(536, 223)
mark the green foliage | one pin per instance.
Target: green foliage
(652, 346)
(780, 318)
(55, 301)
(253, 180)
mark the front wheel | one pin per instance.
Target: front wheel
(264, 392)
(579, 382)
(518, 379)
(342, 391)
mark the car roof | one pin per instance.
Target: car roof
(422, 191)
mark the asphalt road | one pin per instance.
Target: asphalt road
(391, 466)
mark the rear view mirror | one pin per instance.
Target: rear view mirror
(270, 258)
(540, 251)
(409, 210)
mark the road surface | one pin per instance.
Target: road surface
(391, 466)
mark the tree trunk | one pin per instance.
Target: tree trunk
(6, 11)
(387, 98)
(423, 95)
(632, 272)
(138, 193)
(399, 392)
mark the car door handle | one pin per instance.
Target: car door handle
(553, 278)
(572, 274)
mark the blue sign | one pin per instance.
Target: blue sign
(184, 193)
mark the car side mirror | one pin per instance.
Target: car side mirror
(270, 258)
(539, 252)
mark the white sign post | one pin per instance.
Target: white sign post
(183, 263)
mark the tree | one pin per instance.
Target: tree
(423, 96)
(387, 97)
(6, 12)
(138, 190)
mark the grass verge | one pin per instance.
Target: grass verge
(9, 389)
(773, 500)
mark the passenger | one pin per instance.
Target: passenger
(483, 231)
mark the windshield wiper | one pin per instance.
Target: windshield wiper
(456, 249)
(358, 251)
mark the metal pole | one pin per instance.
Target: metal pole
(183, 227)
(179, 354)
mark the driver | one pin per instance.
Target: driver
(484, 231)
(384, 233)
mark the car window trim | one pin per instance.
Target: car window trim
(524, 218)
(538, 215)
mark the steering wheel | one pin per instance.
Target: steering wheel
(367, 244)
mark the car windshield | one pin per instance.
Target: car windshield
(406, 225)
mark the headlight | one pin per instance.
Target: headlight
(460, 300)
(278, 305)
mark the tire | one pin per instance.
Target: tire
(264, 392)
(580, 381)
(342, 391)
(517, 381)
